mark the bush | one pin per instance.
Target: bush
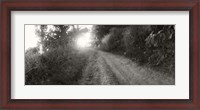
(58, 66)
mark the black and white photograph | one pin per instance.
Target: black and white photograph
(99, 54)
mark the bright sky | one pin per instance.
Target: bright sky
(31, 38)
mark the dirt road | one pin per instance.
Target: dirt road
(104, 68)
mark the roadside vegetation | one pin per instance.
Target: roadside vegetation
(149, 45)
(55, 61)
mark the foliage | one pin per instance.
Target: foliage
(59, 63)
(161, 47)
(52, 37)
(147, 44)
(30, 59)
(114, 39)
(59, 66)
(100, 31)
(134, 37)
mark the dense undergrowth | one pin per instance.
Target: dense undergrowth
(56, 67)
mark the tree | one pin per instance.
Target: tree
(102, 31)
(52, 36)
(134, 40)
(56, 36)
(161, 44)
(41, 32)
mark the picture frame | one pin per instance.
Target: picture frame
(193, 103)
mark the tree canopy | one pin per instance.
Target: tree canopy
(55, 36)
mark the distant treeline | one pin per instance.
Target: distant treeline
(153, 45)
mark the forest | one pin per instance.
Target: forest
(58, 60)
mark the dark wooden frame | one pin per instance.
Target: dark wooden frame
(99, 5)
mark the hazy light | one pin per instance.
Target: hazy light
(84, 41)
